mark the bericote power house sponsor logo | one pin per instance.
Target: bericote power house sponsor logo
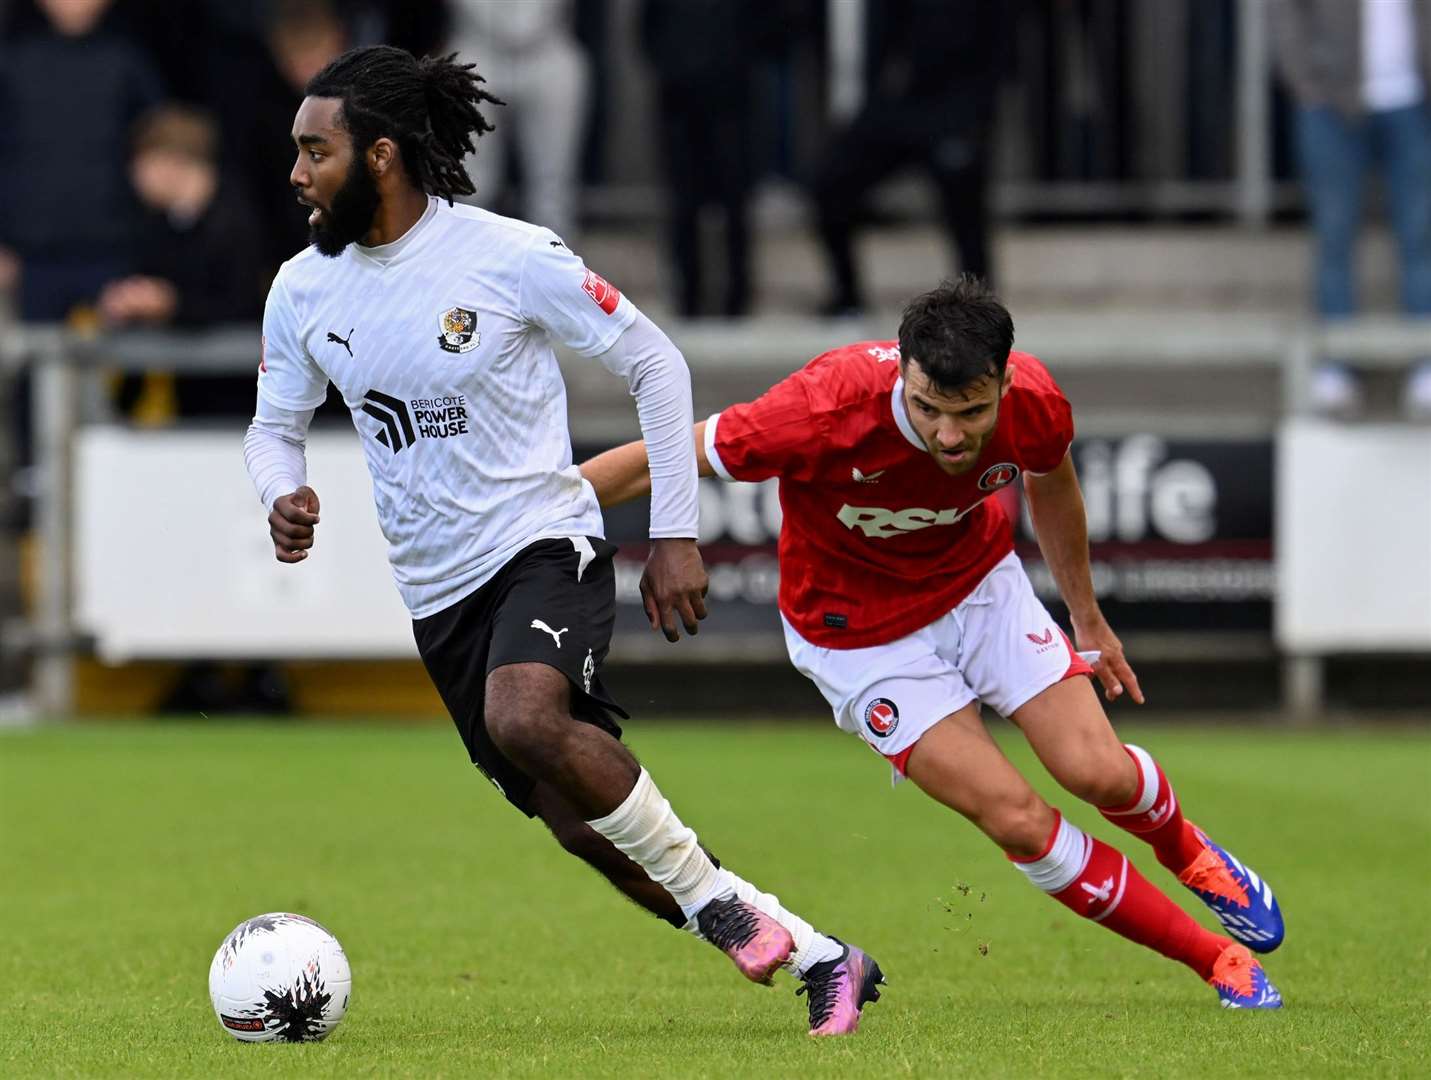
(404, 422)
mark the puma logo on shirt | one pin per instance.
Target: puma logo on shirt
(343, 341)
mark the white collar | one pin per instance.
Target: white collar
(385, 254)
(901, 415)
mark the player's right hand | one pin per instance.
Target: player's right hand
(1112, 669)
(291, 524)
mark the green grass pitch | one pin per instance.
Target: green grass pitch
(478, 949)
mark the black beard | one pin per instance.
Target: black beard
(351, 214)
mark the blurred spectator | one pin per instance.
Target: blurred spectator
(199, 258)
(200, 263)
(936, 66)
(422, 29)
(703, 55)
(256, 87)
(70, 87)
(528, 54)
(71, 84)
(1360, 74)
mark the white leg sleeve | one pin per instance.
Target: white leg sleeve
(646, 828)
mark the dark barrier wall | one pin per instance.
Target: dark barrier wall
(1180, 531)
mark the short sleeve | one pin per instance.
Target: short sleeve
(287, 375)
(777, 434)
(1046, 428)
(576, 306)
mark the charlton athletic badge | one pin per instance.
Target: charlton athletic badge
(997, 476)
(881, 717)
(459, 330)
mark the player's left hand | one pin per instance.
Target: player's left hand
(674, 586)
(1112, 669)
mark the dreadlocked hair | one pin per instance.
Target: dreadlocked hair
(429, 107)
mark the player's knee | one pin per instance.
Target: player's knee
(1020, 826)
(524, 734)
(523, 717)
(1101, 780)
(1108, 790)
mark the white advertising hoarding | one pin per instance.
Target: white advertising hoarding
(1353, 531)
(173, 557)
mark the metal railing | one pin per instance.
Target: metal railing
(60, 361)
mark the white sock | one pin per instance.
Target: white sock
(1065, 859)
(646, 828)
(811, 946)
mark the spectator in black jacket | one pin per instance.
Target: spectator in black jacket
(935, 72)
(701, 54)
(198, 257)
(256, 86)
(200, 253)
(71, 84)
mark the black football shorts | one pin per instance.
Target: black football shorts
(553, 603)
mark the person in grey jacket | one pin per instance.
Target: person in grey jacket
(1360, 76)
(532, 61)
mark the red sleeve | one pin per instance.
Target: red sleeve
(1045, 417)
(777, 434)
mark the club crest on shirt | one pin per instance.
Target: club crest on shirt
(997, 476)
(459, 330)
(881, 717)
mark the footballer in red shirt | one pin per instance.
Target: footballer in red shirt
(903, 601)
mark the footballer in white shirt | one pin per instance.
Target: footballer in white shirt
(436, 324)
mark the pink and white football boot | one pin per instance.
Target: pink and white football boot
(838, 989)
(753, 940)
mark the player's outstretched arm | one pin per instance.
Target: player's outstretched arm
(620, 474)
(623, 473)
(1056, 505)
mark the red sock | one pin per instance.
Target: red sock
(1154, 815)
(1099, 883)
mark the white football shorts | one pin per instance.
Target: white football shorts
(999, 646)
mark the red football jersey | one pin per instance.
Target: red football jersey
(878, 541)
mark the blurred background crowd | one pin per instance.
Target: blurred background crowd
(735, 162)
(149, 148)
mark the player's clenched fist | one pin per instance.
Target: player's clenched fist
(291, 524)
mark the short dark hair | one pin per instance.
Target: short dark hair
(429, 107)
(958, 333)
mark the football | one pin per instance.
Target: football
(280, 978)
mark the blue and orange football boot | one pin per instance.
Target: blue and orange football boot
(1241, 983)
(1241, 900)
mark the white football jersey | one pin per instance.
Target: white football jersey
(441, 346)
